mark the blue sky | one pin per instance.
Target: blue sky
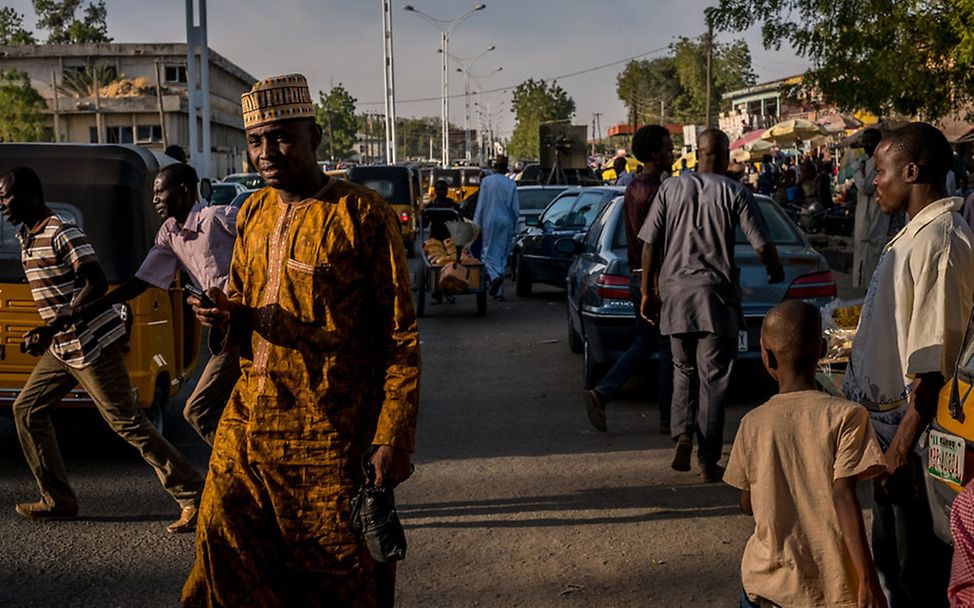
(333, 41)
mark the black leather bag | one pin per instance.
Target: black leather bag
(374, 517)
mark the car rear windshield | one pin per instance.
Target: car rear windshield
(536, 200)
(781, 230)
(450, 176)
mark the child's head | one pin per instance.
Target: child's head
(791, 339)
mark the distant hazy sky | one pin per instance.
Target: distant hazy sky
(333, 41)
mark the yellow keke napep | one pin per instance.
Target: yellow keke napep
(461, 182)
(106, 190)
(399, 186)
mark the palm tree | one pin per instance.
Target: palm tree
(82, 82)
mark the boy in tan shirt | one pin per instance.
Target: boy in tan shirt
(796, 460)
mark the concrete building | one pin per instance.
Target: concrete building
(145, 102)
(758, 107)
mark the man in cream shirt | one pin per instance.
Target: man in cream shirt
(913, 321)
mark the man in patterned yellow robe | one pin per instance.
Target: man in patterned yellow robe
(320, 302)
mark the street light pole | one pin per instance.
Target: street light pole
(466, 64)
(389, 81)
(479, 81)
(445, 27)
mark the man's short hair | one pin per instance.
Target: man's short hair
(25, 182)
(441, 183)
(793, 330)
(925, 146)
(647, 141)
(181, 175)
(177, 152)
(620, 163)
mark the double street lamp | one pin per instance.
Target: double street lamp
(466, 63)
(445, 27)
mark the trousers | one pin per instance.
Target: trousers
(702, 365)
(205, 405)
(107, 382)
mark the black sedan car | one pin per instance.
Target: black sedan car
(601, 317)
(536, 259)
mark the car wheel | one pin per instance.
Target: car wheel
(592, 372)
(574, 340)
(419, 284)
(156, 413)
(522, 286)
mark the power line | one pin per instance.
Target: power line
(508, 88)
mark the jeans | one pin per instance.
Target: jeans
(703, 359)
(913, 564)
(107, 382)
(746, 601)
(636, 360)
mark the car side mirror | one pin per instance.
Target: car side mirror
(206, 189)
(568, 246)
(532, 222)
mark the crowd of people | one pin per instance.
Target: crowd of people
(798, 458)
(312, 389)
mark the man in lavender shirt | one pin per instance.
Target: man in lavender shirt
(198, 240)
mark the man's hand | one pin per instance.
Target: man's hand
(649, 308)
(392, 465)
(37, 340)
(776, 274)
(216, 316)
(871, 594)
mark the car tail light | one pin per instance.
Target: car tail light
(818, 285)
(404, 217)
(612, 287)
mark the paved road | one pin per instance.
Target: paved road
(516, 500)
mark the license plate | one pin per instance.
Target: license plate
(742, 341)
(946, 457)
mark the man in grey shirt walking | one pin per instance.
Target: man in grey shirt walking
(689, 237)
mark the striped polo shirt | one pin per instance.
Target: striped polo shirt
(51, 255)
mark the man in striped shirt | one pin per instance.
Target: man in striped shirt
(64, 274)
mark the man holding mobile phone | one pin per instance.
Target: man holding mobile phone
(198, 240)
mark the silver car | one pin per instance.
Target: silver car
(601, 316)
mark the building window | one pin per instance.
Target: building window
(113, 135)
(148, 134)
(176, 73)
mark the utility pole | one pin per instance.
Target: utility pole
(389, 82)
(709, 46)
(199, 88)
(598, 126)
(662, 111)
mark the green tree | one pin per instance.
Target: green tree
(535, 102)
(908, 56)
(12, 28)
(413, 136)
(643, 85)
(335, 113)
(22, 118)
(61, 21)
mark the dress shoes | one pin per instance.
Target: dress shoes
(682, 452)
(595, 408)
(711, 473)
(186, 522)
(43, 511)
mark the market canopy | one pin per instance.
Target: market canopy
(789, 132)
(756, 150)
(747, 138)
(885, 126)
(840, 123)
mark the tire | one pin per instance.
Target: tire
(522, 286)
(574, 340)
(592, 372)
(420, 286)
(156, 413)
(481, 304)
